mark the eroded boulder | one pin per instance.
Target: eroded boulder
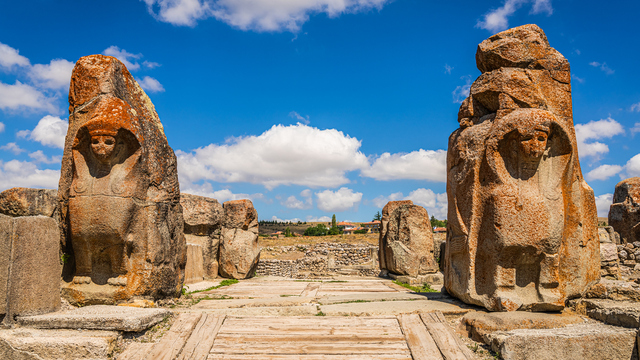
(29, 202)
(119, 193)
(624, 213)
(522, 231)
(406, 240)
(203, 219)
(239, 249)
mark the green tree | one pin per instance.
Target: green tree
(287, 232)
(333, 221)
(377, 217)
(318, 230)
(438, 223)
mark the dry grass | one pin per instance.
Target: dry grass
(371, 239)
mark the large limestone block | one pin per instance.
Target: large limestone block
(624, 214)
(29, 202)
(119, 193)
(522, 221)
(239, 249)
(406, 240)
(194, 271)
(203, 219)
(30, 263)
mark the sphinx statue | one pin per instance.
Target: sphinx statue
(522, 223)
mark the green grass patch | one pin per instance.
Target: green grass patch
(426, 288)
(225, 282)
(286, 295)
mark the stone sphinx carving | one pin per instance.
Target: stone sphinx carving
(119, 193)
(522, 222)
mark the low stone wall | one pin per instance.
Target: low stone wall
(321, 259)
(629, 254)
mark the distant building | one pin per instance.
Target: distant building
(371, 227)
(439, 229)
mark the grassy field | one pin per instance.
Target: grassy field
(304, 240)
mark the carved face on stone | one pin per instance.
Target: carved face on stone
(534, 143)
(103, 147)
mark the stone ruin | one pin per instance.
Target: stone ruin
(29, 253)
(406, 241)
(221, 239)
(522, 223)
(121, 218)
(624, 213)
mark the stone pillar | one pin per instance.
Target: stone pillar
(239, 249)
(624, 214)
(202, 223)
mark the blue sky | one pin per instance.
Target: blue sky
(310, 107)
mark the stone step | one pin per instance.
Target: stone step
(619, 313)
(38, 344)
(587, 341)
(98, 317)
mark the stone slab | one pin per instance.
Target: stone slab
(431, 279)
(374, 297)
(194, 270)
(36, 344)
(619, 313)
(303, 310)
(394, 308)
(245, 303)
(588, 341)
(615, 290)
(98, 317)
(479, 324)
(202, 285)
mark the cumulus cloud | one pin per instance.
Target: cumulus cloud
(602, 66)
(294, 220)
(50, 131)
(257, 15)
(341, 200)
(633, 166)
(283, 155)
(318, 219)
(127, 58)
(21, 96)
(603, 172)
(417, 165)
(635, 107)
(10, 57)
(26, 174)
(578, 79)
(497, 19)
(635, 129)
(13, 148)
(603, 203)
(292, 202)
(461, 92)
(381, 200)
(40, 157)
(150, 84)
(436, 204)
(596, 130)
(150, 64)
(54, 75)
(223, 195)
(302, 119)
(1, 127)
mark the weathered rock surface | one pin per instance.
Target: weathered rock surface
(33, 344)
(406, 240)
(98, 317)
(194, 271)
(203, 219)
(29, 202)
(522, 221)
(614, 290)
(479, 324)
(239, 249)
(618, 313)
(29, 266)
(588, 341)
(624, 213)
(119, 194)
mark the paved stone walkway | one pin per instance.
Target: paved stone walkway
(397, 324)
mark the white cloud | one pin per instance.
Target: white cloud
(578, 79)
(26, 174)
(13, 147)
(633, 166)
(447, 69)
(294, 220)
(150, 64)
(417, 165)
(150, 84)
(1, 127)
(221, 195)
(318, 219)
(635, 107)
(603, 203)
(381, 201)
(10, 57)
(21, 96)
(127, 58)
(50, 131)
(40, 157)
(292, 202)
(603, 172)
(461, 92)
(55, 75)
(295, 115)
(258, 15)
(436, 204)
(634, 129)
(603, 66)
(596, 130)
(283, 155)
(341, 200)
(497, 19)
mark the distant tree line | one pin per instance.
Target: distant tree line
(438, 223)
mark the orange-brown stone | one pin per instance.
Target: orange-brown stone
(239, 249)
(522, 221)
(119, 195)
(624, 214)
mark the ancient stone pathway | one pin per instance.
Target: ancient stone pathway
(392, 323)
